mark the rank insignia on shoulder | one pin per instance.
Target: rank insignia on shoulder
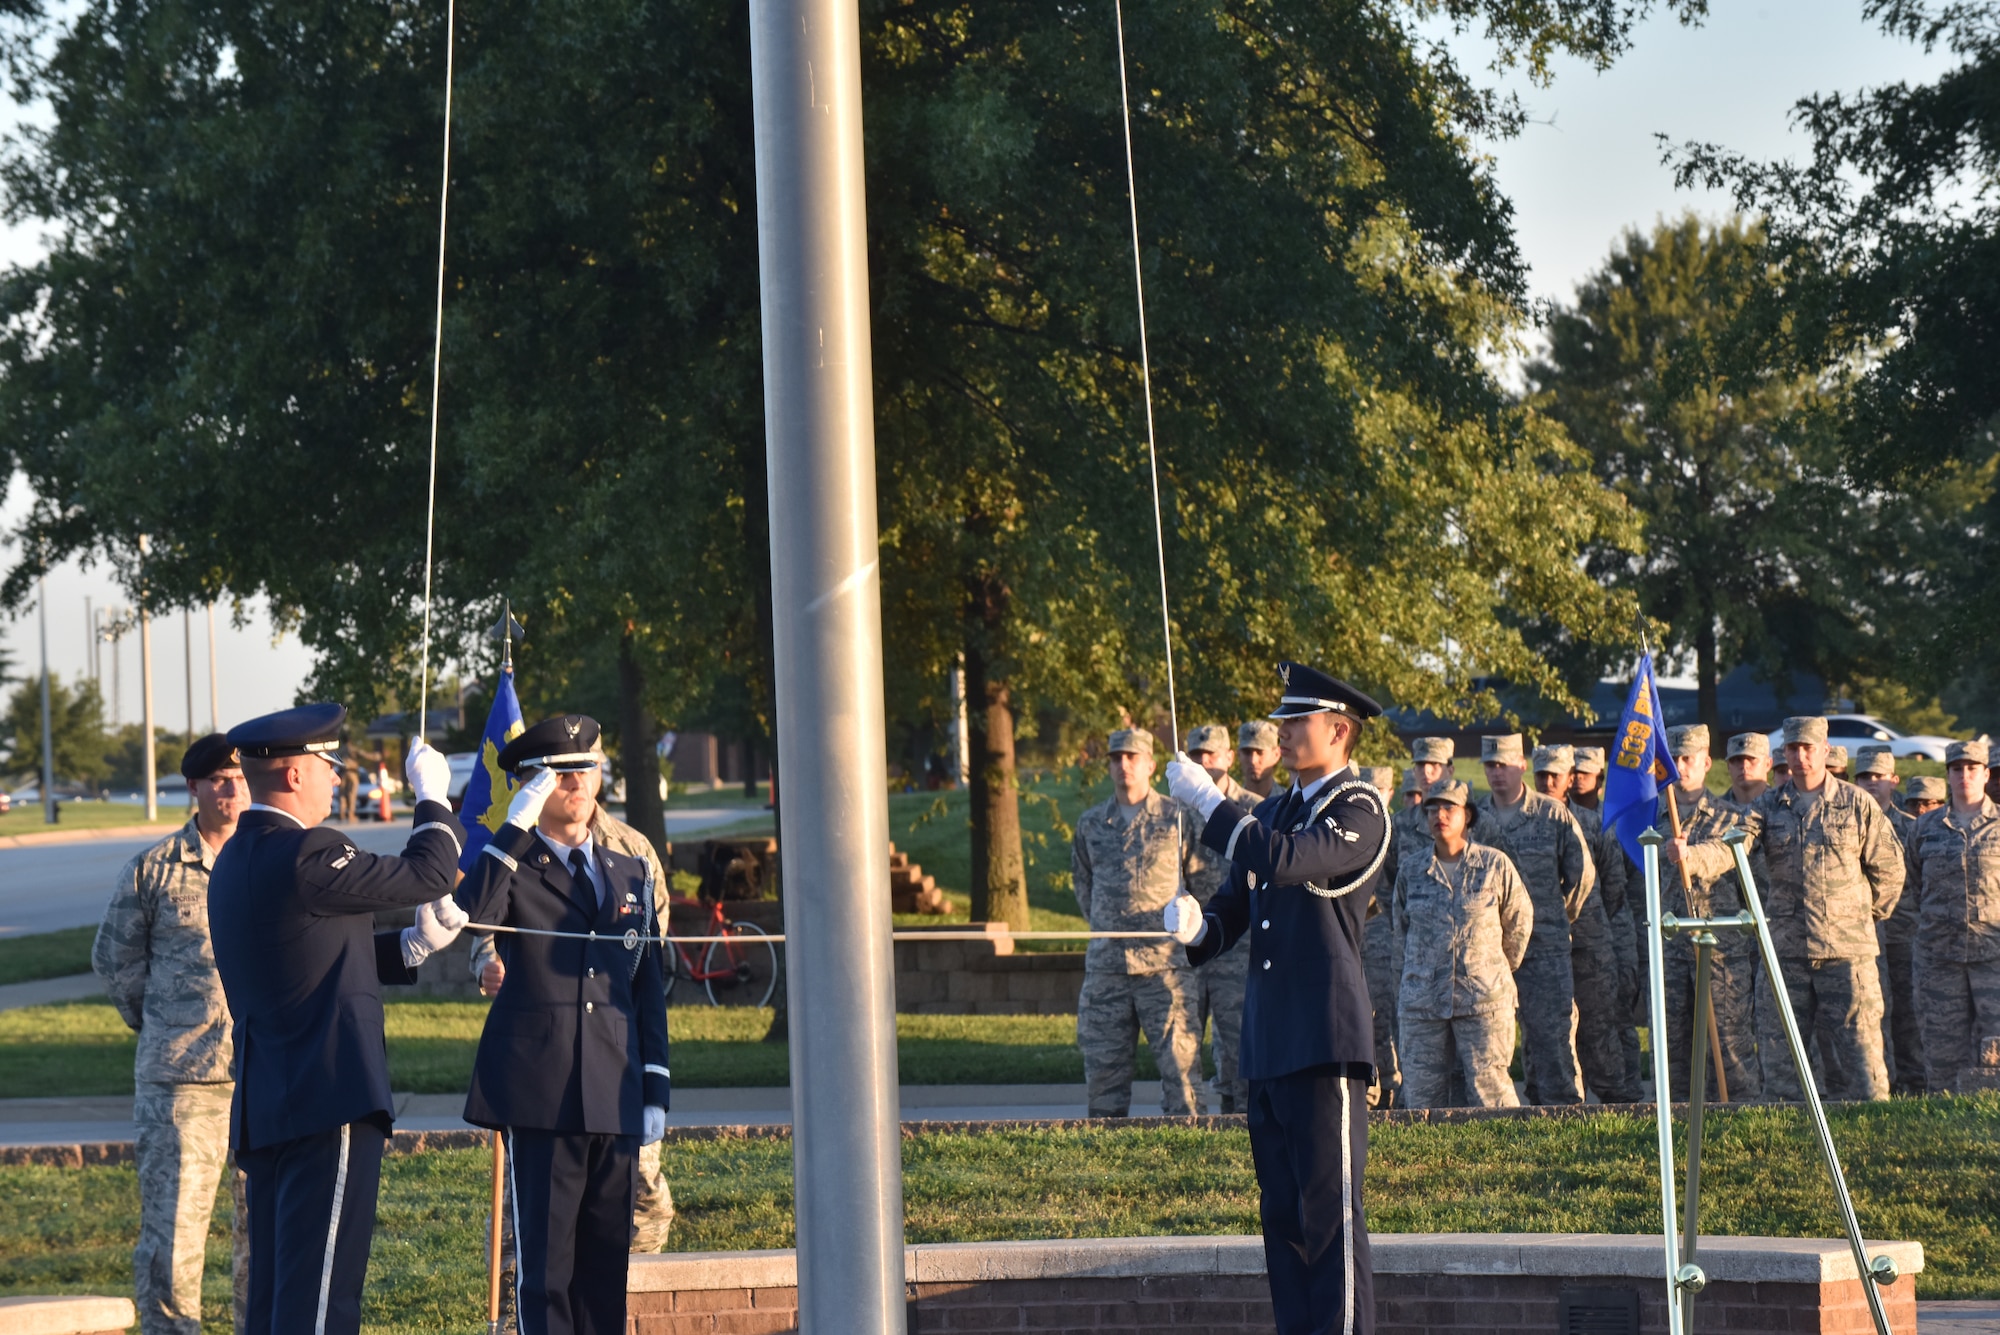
(347, 855)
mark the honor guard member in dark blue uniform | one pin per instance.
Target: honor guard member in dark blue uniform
(1302, 868)
(572, 1065)
(292, 916)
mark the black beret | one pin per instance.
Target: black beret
(560, 743)
(208, 755)
(307, 730)
(1310, 691)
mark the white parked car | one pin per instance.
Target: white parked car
(1855, 731)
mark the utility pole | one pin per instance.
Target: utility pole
(187, 665)
(146, 692)
(48, 727)
(214, 700)
(812, 225)
(89, 640)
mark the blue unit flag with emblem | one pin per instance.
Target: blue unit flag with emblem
(491, 788)
(1640, 763)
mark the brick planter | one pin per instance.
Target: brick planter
(1424, 1283)
(66, 1316)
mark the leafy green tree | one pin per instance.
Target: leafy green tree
(76, 718)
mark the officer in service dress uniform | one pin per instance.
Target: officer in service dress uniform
(1303, 866)
(292, 919)
(572, 1066)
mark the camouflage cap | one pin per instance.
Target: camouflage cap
(1432, 750)
(1555, 759)
(1590, 760)
(1687, 739)
(1805, 730)
(1383, 777)
(1411, 783)
(1750, 744)
(1836, 757)
(1136, 740)
(1967, 753)
(1449, 792)
(1259, 734)
(1502, 748)
(1876, 760)
(1924, 788)
(1208, 737)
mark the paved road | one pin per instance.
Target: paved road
(47, 888)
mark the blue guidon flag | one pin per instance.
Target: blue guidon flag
(490, 788)
(1639, 764)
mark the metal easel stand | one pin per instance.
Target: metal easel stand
(1684, 1277)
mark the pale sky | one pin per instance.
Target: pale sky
(1588, 169)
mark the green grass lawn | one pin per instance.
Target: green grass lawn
(45, 954)
(76, 1048)
(89, 816)
(1920, 1169)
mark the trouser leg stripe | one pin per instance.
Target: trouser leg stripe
(1347, 1208)
(514, 1203)
(333, 1230)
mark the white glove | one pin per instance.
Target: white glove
(656, 1124)
(1191, 784)
(438, 924)
(526, 808)
(1184, 919)
(429, 773)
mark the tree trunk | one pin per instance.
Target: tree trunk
(638, 738)
(999, 879)
(1705, 677)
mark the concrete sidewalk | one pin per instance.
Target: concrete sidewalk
(42, 991)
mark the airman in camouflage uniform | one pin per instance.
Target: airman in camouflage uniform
(1462, 920)
(1836, 762)
(653, 1199)
(1409, 837)
(1955, 875)
(1749, 769)
(1599, 980)
(1257, 753)
(1621, 905)
(1128, 861)
(1586, 781)
(1828, 867)
(1902, 1035)
(1733, 970)
(1218, 984)
(1547, 848)
(153, 953)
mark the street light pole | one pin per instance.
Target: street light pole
(214, 700)
(187, 665)
(48, 728)
(805, 71)
(146, 695)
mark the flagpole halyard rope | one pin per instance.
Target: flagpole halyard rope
(437, 362)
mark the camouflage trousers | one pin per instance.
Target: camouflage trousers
(1380, 969)
(1838, 1005)
(1600, 994)
(1902, 1019)
(1632, 995)
(1547, 1000)
(1112, 1011)
(1477, 1048)
(1734, 976)
(1961, 1010)
(182, 1152)
(1218, 1002)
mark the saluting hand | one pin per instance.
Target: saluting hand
(1185, 920)
(526, 808)
(1191, 784)
(429, 773)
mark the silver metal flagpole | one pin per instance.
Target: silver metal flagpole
(48, 730)
(826, 600)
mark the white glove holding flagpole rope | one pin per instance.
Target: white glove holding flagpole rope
(429, 773)
(1184, 920)
(656, 1124)
(526, 808)
(1191, 784)
(438, 925)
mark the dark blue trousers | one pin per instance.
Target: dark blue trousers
(312, 1218)
(1309, 1141)
(572, 1229)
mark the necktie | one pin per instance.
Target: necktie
(1288, 810)
(580, 869)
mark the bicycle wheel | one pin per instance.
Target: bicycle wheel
(743, 970)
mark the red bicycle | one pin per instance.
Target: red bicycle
(739, 969)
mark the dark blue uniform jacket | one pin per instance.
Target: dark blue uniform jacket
(291, 913)
(577, 1037)
(1301, 893)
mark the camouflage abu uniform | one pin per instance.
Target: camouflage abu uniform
(1461, 929)
(1546, 846)
(1828, 868)
(1124, 870)
(1598, 979)
(1955, 875)
(653, 1199)
(1409, 840)
(153, 953)
(1902, 1034)
(1217, 986)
